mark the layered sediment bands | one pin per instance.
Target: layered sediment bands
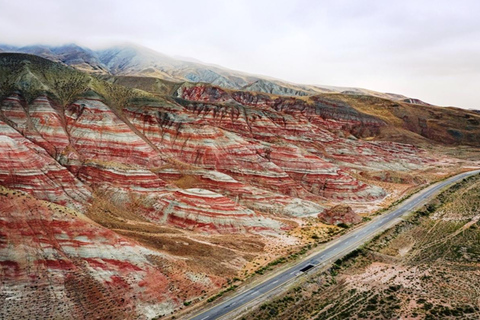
(254, 198)
(97, 133)
(257, 122)
(38, 121)
(204, 93)
(282, 168)
(320, 177)
(378, 155)
(24, 166)
(204, 210)
(322, 126)
(149, 198)
(320, 111)
(57, 264)
(115, 175)
(257, 198)
(212, 148)
(288, 172)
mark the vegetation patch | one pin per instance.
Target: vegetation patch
(425, 267)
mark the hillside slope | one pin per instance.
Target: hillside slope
(123, 201)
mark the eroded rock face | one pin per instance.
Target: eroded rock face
(38, 121)
(27, 167)
(102, 152)
(204, 210)
(282, 155)
(56, 263)
(97, 133)
(340, 214)
(120, 176)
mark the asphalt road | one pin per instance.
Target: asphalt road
(337, 249)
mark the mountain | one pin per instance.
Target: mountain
(134, 196)
(71, 54)
(134, 60)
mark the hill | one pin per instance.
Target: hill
(134, 197)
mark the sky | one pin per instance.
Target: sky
(423, 49)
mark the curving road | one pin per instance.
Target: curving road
(335, 250)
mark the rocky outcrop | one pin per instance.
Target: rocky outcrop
(256, 198)
(56, 263)
(204, 210)
(97, 133)
(325, 112)
(40, 121)
(319, 176)
(27, 167)
(340, 214)
(213, 148)
(105, 176)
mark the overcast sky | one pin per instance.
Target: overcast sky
(424, 49)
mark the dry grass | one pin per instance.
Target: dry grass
(427, 267)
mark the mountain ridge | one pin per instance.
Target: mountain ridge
(135, 60)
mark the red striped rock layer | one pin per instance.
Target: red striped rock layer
(97, 133)
(378, 155)
(320, 177)
(106, 154)
(38, 121)
(320, 110)
(24, 166)
(257, 122)
(254, 198)
(56, 265)
(196, 209)
(284, 168)
(216, 149)
(114, 175)
(204, 210)
(322, 124)
(86, 130)
(302, 131)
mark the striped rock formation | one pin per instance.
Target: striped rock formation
(55, 263)
(27, 167)
(204, 210)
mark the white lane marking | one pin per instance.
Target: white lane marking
(205, 318)
(274, 281)
(356, 236)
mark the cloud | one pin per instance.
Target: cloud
(424, 49)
